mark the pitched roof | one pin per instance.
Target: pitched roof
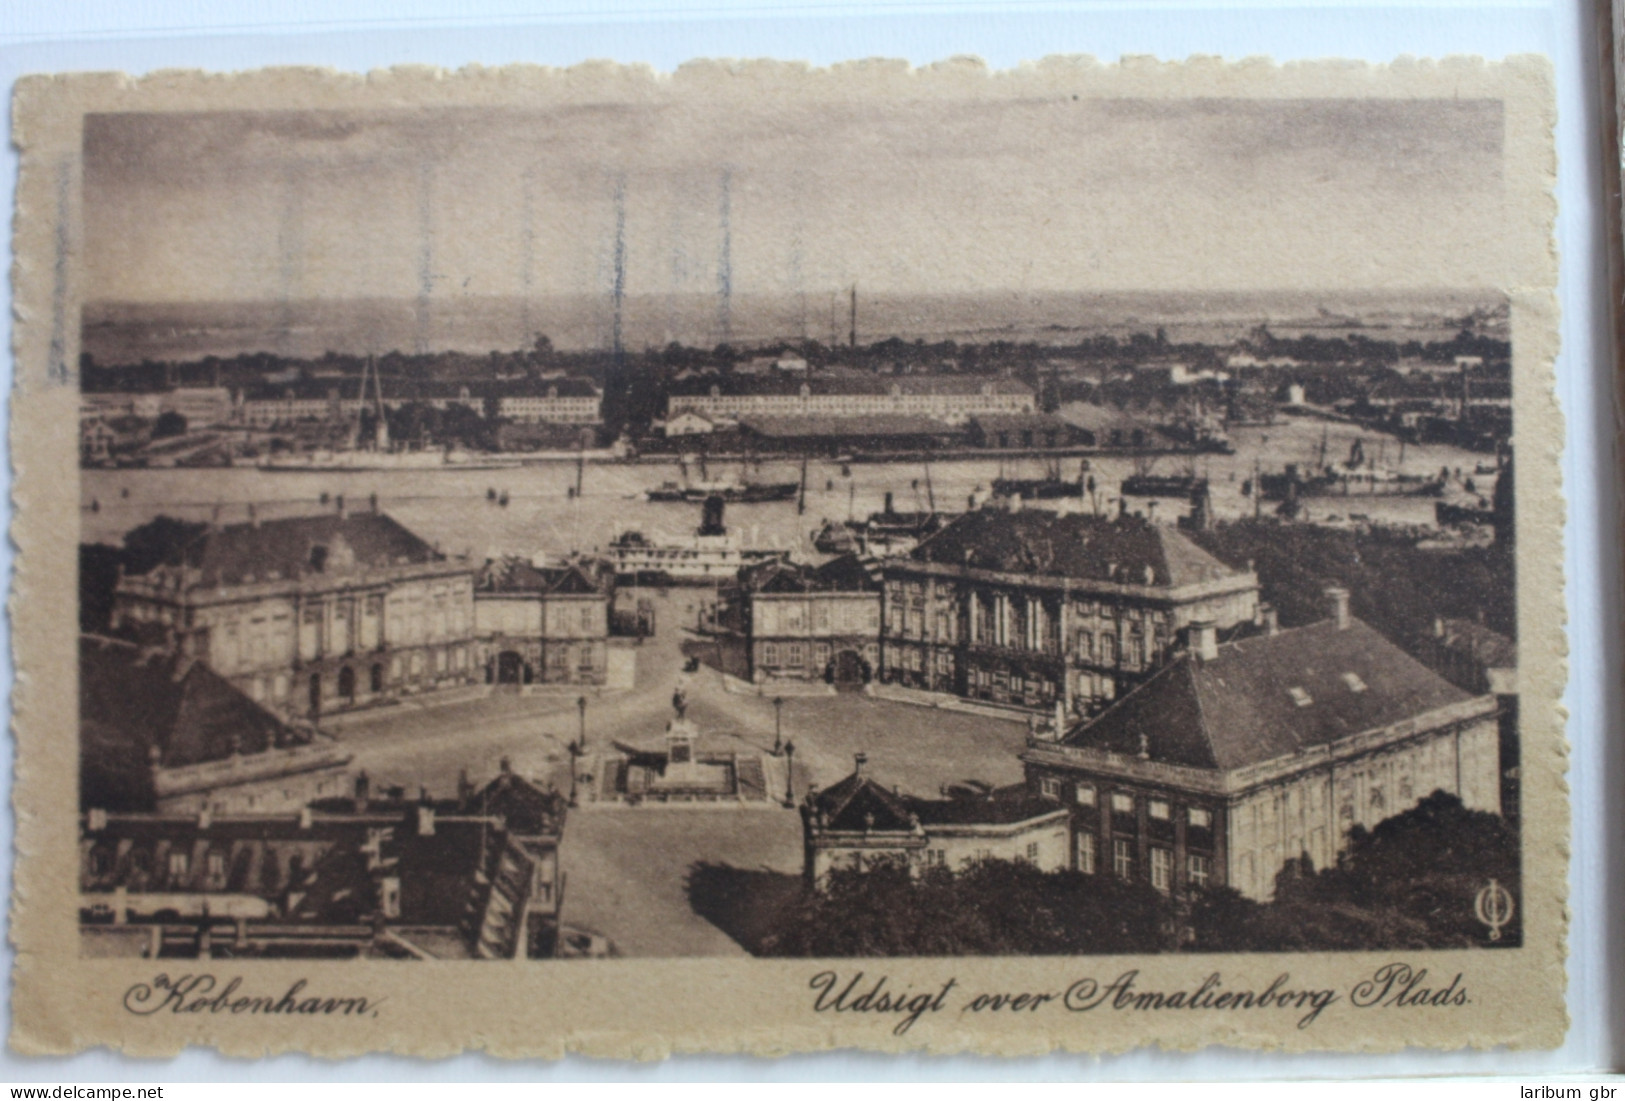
(1268, 697)
(859, 803)
(1126, 550)
(844, 573)
(132, 699)
(237, 553)
(516, 575)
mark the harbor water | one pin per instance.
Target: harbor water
(460, 509)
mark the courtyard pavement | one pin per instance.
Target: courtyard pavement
(627, 867)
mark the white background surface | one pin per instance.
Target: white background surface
(360, 34)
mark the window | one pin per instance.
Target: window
(1201, 818)
(1049, 787)
(179, 863)
(793, 654)
(1162, 869)
(1196, 870)
(1159, 809)
(217, 865)
(1122, 803)
(1032, 852)
(1086, 853)
(770, 653)
(1299, 696)
(1122, 858)
(587, 617)
(1084, 794)
(1354, 682)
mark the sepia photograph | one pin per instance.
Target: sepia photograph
(842, 523)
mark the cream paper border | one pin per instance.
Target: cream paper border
(650, 1008)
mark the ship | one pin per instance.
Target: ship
(710, 555)
(1354, 477)
(733, 493)
(1163, 485)
(883, 534)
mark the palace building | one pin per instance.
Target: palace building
(1052, 612)
(312, 614)
(543, 624)
(1236, 758)
(805, 622)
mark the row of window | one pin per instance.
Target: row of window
(1122, 802)
(793, 655)
(1160, 860)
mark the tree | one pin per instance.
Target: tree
(157, 540)
(992, 907)
(1410, 883)
(169, 423)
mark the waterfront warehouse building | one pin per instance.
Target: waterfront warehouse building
(1236, 758)
(950, 398)
(312, 614)
(1051, 612)
(858, 823)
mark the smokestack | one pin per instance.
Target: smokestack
(1337, 601)
(363, 792)
(1205, 640)
(858, 761)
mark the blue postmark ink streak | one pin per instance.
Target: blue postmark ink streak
(57, 368)
(725, 274)
(618, 281)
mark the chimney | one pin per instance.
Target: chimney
(372, 502)
(363, 792)
(338, 503)
(204, 818)
(305, 818)
(253, 516)
(1438, 627)
(1015, 502)
(97, 819)
(1337, 600)
(1271, 619)
(425, 819)
(505, 766)
(1204, 636)
(858, 761)
(888, 503)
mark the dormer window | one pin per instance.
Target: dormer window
(318, 558)
(1354, 682)
(1300, 697)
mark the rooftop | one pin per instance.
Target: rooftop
(1268, 697)
(1125, 550)
(134, 700)
(298, 546)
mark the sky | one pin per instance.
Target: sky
(926, 196)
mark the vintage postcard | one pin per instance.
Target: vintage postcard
(770, 559)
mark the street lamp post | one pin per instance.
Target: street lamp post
(575, 755)
(789, 774)
(581, 708)
(778, 725)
